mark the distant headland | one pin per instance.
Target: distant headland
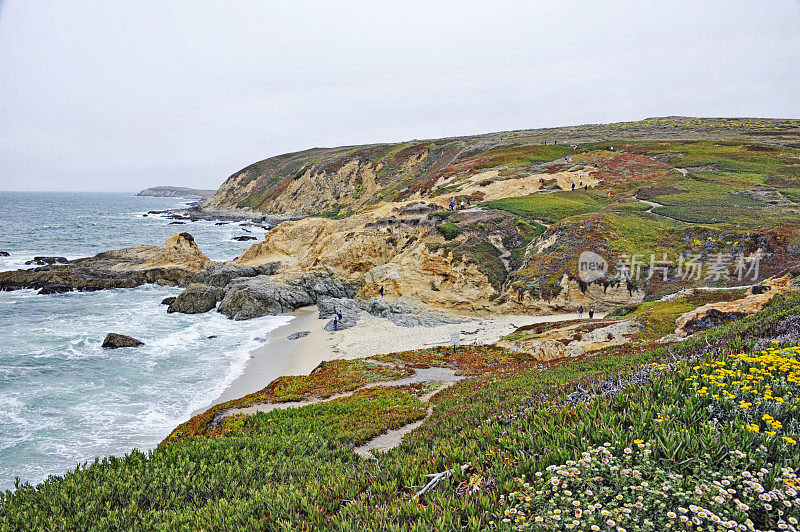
(176, 192)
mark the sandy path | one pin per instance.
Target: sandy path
(392, 438)
(371, 336)
(421, 375)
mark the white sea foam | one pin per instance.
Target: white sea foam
(64, 399)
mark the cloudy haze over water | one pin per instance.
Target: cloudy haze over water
(118, 96)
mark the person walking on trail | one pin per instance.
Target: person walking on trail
(580, 312)
(452, 205)
(335, 324)
(381, 290)
(339, 315)
(586, 188)
(566, 160)
(591, 313)
(462, 205)
(573, 186)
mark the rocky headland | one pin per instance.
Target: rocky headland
(176, 192)
(174, 264)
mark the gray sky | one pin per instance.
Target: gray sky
(113, 95)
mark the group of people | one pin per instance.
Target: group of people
(580, 312)
(459, 206)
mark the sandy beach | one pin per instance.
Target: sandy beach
(281, 356)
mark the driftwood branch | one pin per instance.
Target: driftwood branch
(437, 478)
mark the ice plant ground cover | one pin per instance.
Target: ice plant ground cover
(714, 447)
(510, 418)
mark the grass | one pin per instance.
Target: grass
(521, 156)
(549, 207)
(293, 469)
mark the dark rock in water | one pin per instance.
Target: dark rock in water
(222, 223)
(244, 238)
(177, 223)
(5, 254)
(114, 340)
(167, 300)
(145, 215)
(196, 299)
(54, 289)
(211, 337)
(298, 334)
(46, 261)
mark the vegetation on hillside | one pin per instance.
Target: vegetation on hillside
(666, 427)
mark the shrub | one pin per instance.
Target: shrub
(448, 230)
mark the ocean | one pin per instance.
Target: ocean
(63, 399)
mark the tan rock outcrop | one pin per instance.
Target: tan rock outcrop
(714, 313)
(180, 251)
(176, 263)
(360, 252)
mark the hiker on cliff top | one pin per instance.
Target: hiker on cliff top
(580, 312)
(452, 205)
(591, 313)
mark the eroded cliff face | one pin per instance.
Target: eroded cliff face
(371, 256)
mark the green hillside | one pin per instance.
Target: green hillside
(642, 435)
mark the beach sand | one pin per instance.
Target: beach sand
(371, 336)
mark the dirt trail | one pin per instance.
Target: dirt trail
(653, 205)
(433, 374)
(393, 438)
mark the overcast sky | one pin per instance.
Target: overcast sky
(113, 95)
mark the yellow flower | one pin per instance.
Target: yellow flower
(790, 440)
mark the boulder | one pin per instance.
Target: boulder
(114, 340)
(4, 254)
(167, 300)
(220, 274)
(544, 350)
(46, 261)
(244, 238)
(298, 334)
(345, 323)
(196, 299)
(247, 298)
(330, 306)
(407, 313)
